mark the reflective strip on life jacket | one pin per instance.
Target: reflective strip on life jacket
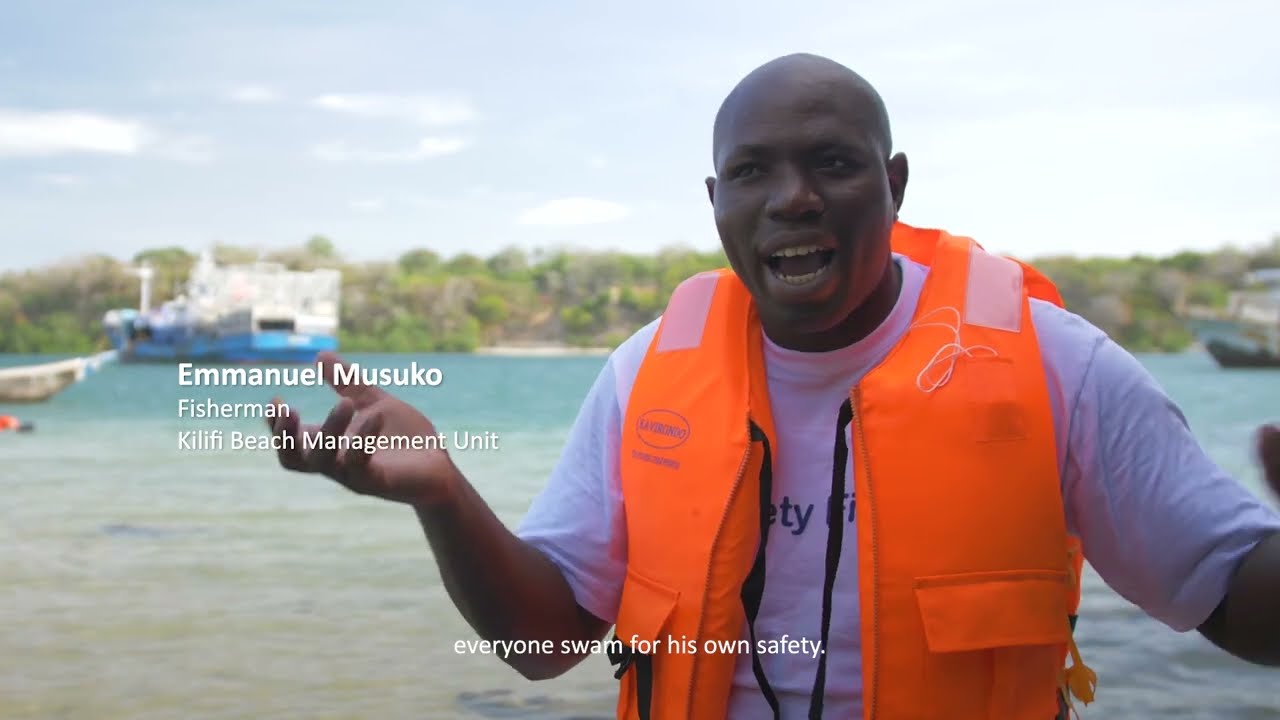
(688, 308)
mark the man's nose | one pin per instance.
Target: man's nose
(795, 196)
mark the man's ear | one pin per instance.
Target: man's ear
(898, 172)
(711, 190)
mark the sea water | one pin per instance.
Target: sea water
(142, 581)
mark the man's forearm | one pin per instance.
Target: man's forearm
(504, 588)
(1247, 623)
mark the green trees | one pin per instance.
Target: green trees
(424, 302)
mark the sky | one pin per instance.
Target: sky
(1092, 127)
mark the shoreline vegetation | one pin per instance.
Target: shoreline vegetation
(563, 303)
(543, 350)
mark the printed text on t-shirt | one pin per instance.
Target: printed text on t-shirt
(796, 517)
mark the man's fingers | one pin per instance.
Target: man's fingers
(286, 425)
(277, 406)
(1269, 453)
(281, 416)
(337, 372)
(321, 459)
(353, 464)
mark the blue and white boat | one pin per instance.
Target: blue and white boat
(259, 313)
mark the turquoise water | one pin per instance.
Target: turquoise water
(142, 581)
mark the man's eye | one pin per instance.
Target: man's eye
(744, 170)
(835, 163)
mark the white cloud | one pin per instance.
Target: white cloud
(369, 205)
(59, 179)
(32, 134)
(418, 109)
(432, 147)
(252, 94)
(427, 148)
(574, 211)
(424, 202)
(189, 149)
(25, 133)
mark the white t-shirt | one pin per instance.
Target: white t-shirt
(1160, 522)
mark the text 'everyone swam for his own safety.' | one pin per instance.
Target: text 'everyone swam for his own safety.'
(506, 648)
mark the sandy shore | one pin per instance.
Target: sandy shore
(542, 351)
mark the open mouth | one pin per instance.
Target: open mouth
(799, 265)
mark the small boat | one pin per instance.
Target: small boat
(1247, 333)
(37, 383)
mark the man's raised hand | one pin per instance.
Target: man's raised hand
(1269, 455)
(420, 477)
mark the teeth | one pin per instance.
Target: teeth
(796, 251)
(801, 279)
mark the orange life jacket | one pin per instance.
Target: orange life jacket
(919, 243)
(969, 581)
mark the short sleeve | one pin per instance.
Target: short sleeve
(577, 520)
(1160, 521)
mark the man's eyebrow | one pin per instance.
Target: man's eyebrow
(845, 144)
(747, 150)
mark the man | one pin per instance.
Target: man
(895, 462)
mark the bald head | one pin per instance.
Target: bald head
(802, 162)
(801, 80)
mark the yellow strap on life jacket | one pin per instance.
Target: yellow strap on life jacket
(1079, 680)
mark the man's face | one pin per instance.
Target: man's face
(803, 201)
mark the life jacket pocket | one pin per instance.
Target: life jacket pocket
(997, 412)
(643, 612)
(995, 642)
